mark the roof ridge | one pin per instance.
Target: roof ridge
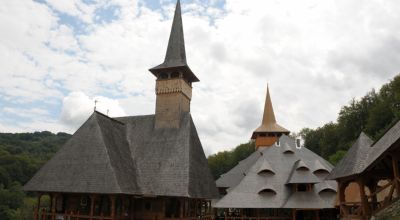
(108, 154)
(108, 117)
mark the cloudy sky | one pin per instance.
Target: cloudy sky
(58, 56)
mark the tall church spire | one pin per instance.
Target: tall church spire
(174, 79)
(175, 57)
(269, 131)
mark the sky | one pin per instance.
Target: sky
(58, 56)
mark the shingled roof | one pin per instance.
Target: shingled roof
(354, 161)
(364, 153)
(127, 155)
(245, 181)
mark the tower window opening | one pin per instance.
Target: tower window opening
(174, 75)
(163, 76)
(278, 143)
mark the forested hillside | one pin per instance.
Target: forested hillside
(374, 113)
(21, 155)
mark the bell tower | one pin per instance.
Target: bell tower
(269, 131)
(174, 79)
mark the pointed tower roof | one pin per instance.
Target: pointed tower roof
(175, 58)
(269, 124)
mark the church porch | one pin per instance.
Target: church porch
(61, 206)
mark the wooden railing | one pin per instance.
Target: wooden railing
(255, 218)
(45, 215)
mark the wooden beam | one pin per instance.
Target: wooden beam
(395, 165)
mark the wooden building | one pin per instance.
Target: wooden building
(368, 175)
(281, 180)
(148, 167)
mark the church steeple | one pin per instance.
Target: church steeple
(175, 57)
(269, 131)
(174, 79)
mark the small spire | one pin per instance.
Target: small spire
(269, 116)
(95, 103)
(269, 124)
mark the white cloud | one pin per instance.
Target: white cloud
(77, 107)
(316, 56)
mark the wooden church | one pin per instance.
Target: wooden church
(148, 167)
(281, 180)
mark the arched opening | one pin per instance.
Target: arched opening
(321, 173)
(267, 191)
(266, 172)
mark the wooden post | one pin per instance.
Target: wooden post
(294, 214)
(364, 201)
(53, 206)
(396, 175)
(112, 198)
(92, 201)
(181, 204)
(342, 198)
(36, 214)
(317, 214)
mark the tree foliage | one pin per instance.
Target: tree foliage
(21, 155)
(374, 113)
(222, 162)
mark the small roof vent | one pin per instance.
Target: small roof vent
(298, 143)
(267, 191)
(287, 149)
(301, 166)
(265, 168)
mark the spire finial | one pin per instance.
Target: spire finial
(269, 116)
(95, 103)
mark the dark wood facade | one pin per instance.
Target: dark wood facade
(119, 207)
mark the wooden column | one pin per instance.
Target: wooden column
(53, 206)
(294, 214)
(36, 213)
(181, 204)
(112, 198)
(396, 175)
(317, 214)
(364, 200)
(92, 201)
